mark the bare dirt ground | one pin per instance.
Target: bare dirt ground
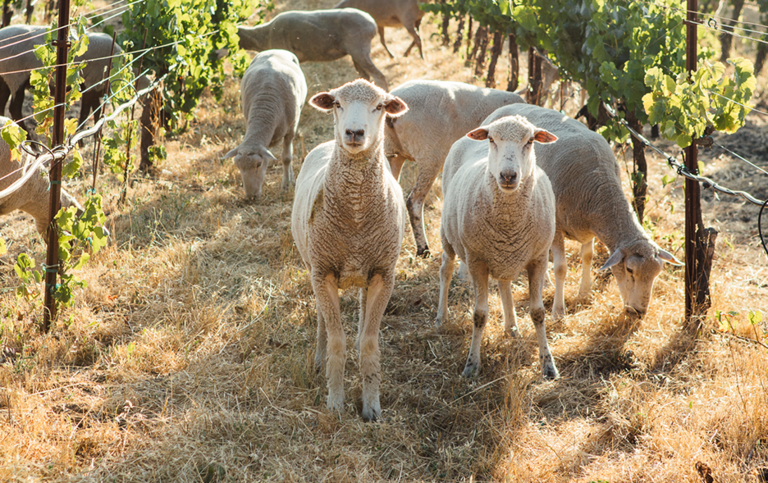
(188, 356)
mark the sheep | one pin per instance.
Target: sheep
(33, 197)
(590, 202)
(498, 217)
(392, 13)
(441, 112)
(16, 54)
(319, 36)
(273, 92)
(348, 222)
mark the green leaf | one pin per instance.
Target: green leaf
(73, 167)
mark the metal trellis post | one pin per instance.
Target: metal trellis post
(52, 259)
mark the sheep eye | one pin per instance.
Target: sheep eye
(490, 139)
(629, 270)
(379, 107)
(530, 141)
(337, 104)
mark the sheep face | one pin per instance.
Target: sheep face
(510, 151)
(252, 163)
(359, 109)
(635, 268)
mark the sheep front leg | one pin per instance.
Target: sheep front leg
(428, 171)
(508, 306)
(558, 255)
(586, 267)
(479, 273)
(327, 294)
(537, 271)
(287, 157)
(379, 291)
(384, 43)
(446, 274)
(322, 341)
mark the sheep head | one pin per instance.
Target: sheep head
(635, 267)
(252, 161)
(510, 154)
(359, 109)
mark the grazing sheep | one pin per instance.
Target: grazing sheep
(16, 53)
(590, 202)
(33, 197)
(392, 13)
(319, 36)
(440, 113)
(348, 223)
(498, 217)
(273, 92)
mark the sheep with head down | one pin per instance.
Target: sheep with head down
(348, 222)
(499, 218)
(273, 91)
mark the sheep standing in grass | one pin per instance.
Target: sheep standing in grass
(32, 198)
(348, 222)
(499, 218)
(17, 43)
(319, 36)
(273, 92)
(392, 13)
(440, 113)
(590, 202)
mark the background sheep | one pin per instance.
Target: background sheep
(440, 113)
(32, 198)
(319, 36)
(348, 223)
(499, 217)
(273, 91)
(590, 202)
(392, 13)
(16, 48)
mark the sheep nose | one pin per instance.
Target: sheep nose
(355, 136)
(508, 177)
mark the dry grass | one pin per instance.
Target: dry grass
(189, 355)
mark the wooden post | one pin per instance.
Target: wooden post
(699, 242)
(52, 259)
(514, 63)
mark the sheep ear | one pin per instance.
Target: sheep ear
(544, 137)
(395, 107)
(269, 156)
(669, 258)
(615, 258)
(323, 101)
(479, 134)
(232, 153)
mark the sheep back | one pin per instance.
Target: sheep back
(386, 13)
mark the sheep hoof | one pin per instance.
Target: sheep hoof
(550, 371)
(423, 252)
(319, 364)
(471, 370)
(513, 332)
(558, 313)
(372, 412)
(336, 402)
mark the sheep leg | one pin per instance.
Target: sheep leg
(327, 294)
(89, 102)
(5, 94)
(558, 255)
(427, 174)
(586, 267)
(363, 299)
(322, 342)
(414, 31)
(287, 156)
(384, 42)
(379, 291)
(479, 271)
(367, 69)
(537, 270)
(446, 274)
(17, 102)
(508, 306)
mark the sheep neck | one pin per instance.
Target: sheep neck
(255, 38)
(624, 228)
(354, 183)
(261, 123)
(506, 206)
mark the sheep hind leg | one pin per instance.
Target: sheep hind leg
(327, 294)
(287, 156)
(384, 42)
(414, 31)
(14, 109)
(446, 274)
(367, 69)
(427, 174)
(379, 291)
(5, 94)
(322, 342)
(586, 267)
(479, 273)
(558, 255)
(536, 274)
(508, 306)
